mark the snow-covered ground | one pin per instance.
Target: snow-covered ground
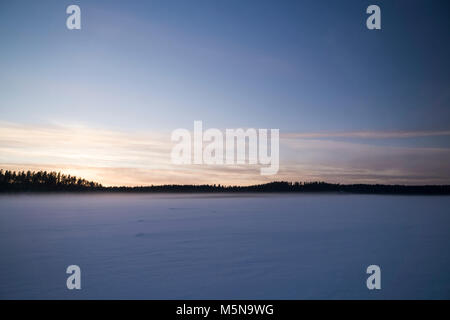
(159, 246)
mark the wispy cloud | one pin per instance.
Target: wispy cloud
(367, 134)
(143, 158)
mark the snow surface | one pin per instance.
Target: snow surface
(238, 246)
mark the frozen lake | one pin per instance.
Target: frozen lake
(235, 246)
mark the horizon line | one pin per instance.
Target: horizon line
(214, 185)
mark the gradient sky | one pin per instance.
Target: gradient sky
(352, 104)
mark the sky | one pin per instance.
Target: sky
(352, 105)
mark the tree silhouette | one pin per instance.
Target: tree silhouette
(11, 181)
(43, 181)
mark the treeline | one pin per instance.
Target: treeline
(11, 181)
(305, 187)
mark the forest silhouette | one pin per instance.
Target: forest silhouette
(43, 181)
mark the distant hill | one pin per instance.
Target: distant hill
(43, 181)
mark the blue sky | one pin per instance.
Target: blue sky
(300, 66)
